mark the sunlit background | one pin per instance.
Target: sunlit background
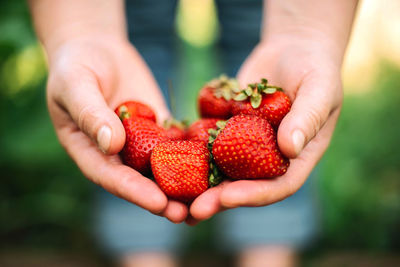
(45, 203)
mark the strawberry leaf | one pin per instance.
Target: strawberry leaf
(221, 124)
(269, 90)
(172, 122)
(217, 93)
(240, 97)
(212, 132)
(226, 94)
(215, 178)
(236, 89)
(211, 139)
(248, 91)
(255, 100)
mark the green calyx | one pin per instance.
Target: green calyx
(172, 122)
(225, 87)
(254, 91)
(215, 176)
(123, 112)
(215, 132)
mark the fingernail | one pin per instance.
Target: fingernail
(104, 138)
(298, 141)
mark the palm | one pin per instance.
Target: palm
(85, 78)
(312, 82)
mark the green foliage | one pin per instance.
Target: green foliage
(360, 184)
(44, 200)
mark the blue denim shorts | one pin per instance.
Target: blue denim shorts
(122, 227)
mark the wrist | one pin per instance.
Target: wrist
(57, 22)
(69, 45)
(52, 43)
(326, 22)
(308, 40)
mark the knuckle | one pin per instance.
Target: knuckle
(316, 118)
(291, 189)
(87, 118)
(125, 183)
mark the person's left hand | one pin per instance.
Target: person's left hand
(309, 73)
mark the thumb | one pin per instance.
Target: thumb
(313, 104)
(84, 101)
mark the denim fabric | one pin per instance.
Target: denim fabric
(151, 30)
(123, 227)
(240, 26)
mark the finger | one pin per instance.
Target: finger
(81, 97)
(175, 211)
(315, 100)
(265, 192)
(110, 173)
(208, 204)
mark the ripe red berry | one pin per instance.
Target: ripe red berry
(175, 130)
(246, 148)
(198, 131)
(142, 135)
(215, 98)
(181, 169)
(263, 100)
(135, 109)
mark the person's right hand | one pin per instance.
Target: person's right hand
(88, 77)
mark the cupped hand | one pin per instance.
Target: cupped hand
(309, 72)
(88, 77)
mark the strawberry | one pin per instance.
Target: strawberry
(198, 131)
(263, 100)
(135, 109)
(175, 130)
(215, 98)
(181, 169)
(246, 148)
(142, 135)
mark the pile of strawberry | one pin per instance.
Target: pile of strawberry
(235, 138)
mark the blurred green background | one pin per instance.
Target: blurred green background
(45, 203)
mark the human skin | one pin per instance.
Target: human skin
(301, 50)
(92, 69)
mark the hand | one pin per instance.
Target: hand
(88, 77)
(309, 73)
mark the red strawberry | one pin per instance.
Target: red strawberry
(263, 100)
(142, 135)
(198, 131)
(215, 98)
(175, 130)
(135, 109)
(246, 148)
(181, 169)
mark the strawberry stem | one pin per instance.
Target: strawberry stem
(123, 112)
